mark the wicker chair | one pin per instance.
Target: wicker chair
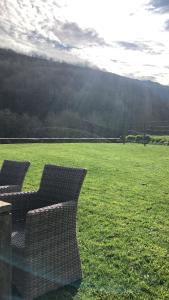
(44, 244)
(12, 175)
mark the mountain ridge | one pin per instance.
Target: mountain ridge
(6, 51)
(62, 94)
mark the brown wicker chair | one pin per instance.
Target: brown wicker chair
(12, 175)
(44, 244)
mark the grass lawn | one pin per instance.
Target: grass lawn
(123, 215)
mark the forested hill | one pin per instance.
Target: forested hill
(51, 99)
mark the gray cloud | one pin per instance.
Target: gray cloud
(129, 45)
(74, 35)
(166, 26)
(139, 46)
(148, 78)
(160, 6)
(39, 38)
(67, 36)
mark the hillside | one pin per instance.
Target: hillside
(39, 97)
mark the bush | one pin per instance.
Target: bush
(138, 138)
(159, 140)
(130, 139)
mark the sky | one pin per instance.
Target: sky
(125, 37)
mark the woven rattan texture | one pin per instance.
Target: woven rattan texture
(44, 243)
(12, 175)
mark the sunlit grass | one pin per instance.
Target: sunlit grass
(123, 215)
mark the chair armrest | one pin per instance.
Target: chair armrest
(21, 202)
(10, 188)
(50, 223)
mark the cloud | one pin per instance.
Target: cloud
(38, 23)
(140, 46)
(54, 42)
(150, 65)
(160, 6)
(129, 45)
(37, 27)
(66, 36)
(73, 34)
(116, 61)
(166, 26)
(146, 78)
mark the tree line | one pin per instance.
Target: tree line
(51, 99)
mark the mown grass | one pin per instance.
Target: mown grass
(123, 224)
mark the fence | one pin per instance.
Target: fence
(58, 140)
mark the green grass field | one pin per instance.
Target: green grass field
(123, 215)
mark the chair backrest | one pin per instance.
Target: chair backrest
(13, 172)
(60, 184)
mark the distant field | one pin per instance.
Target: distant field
(123, 215)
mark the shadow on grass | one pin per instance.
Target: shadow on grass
(65, 293)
